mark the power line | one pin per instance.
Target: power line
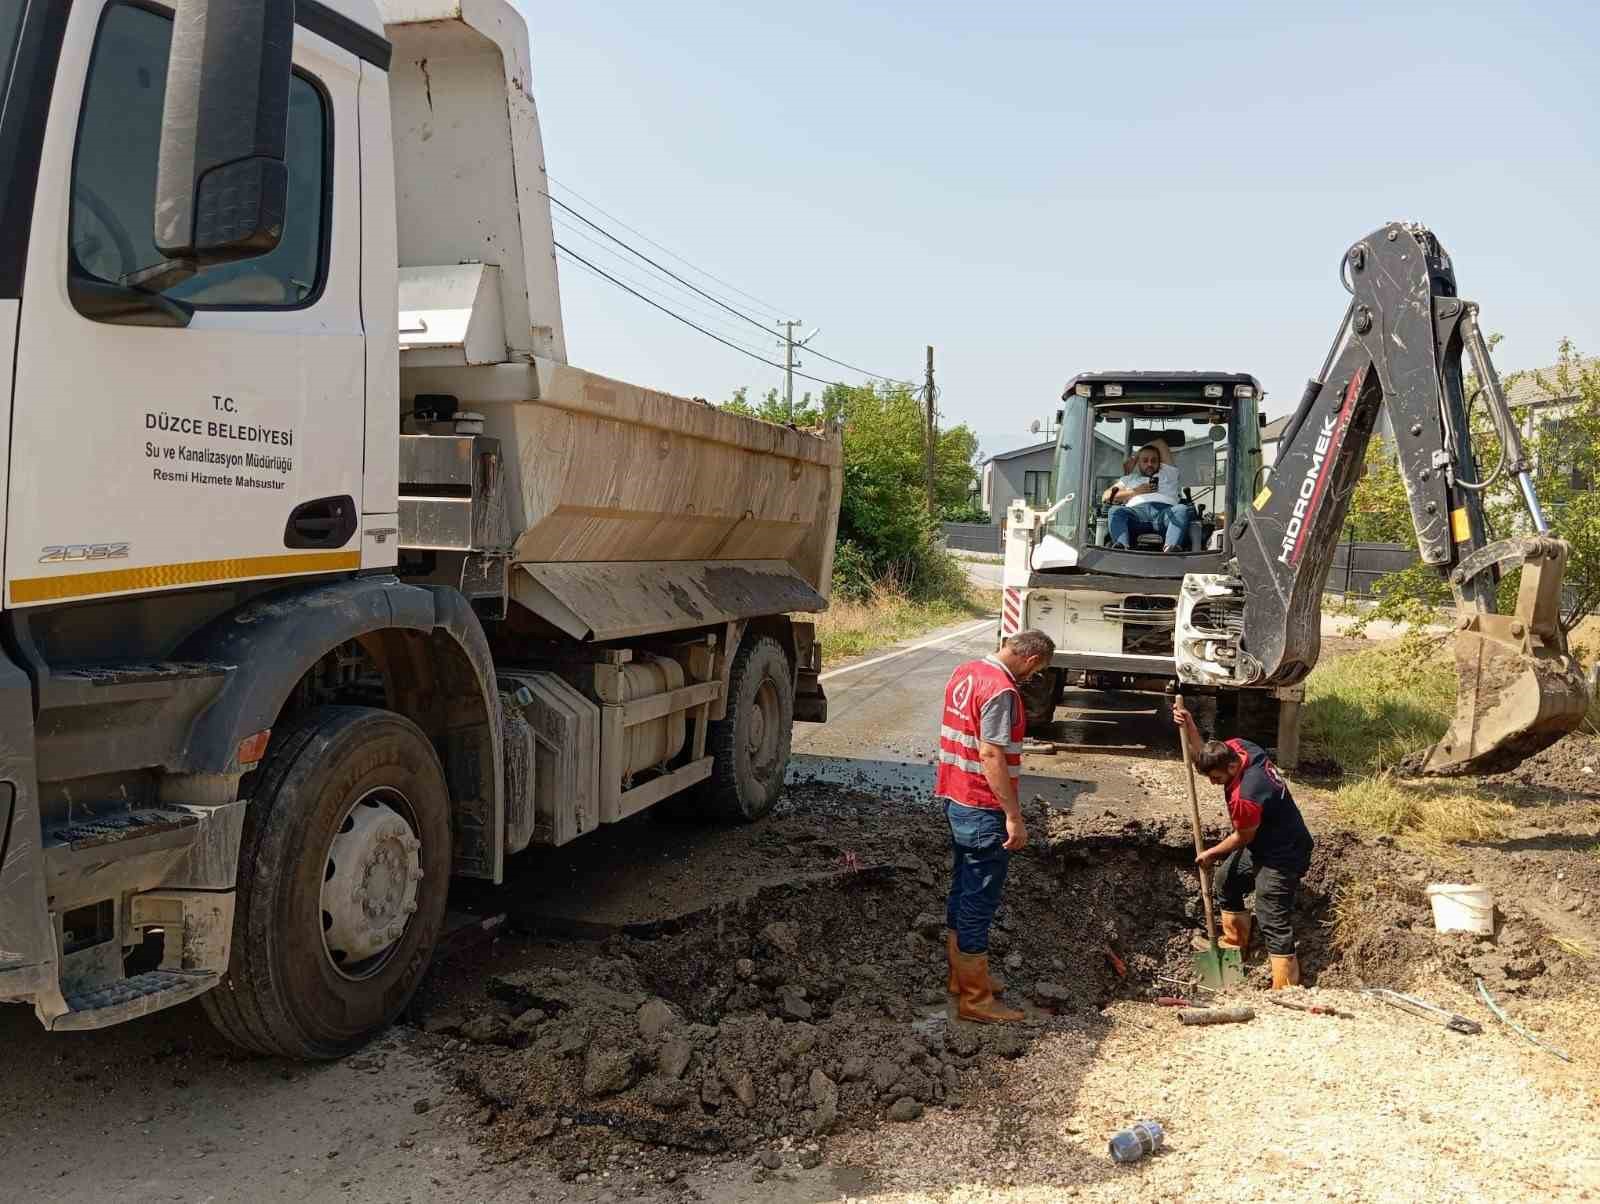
(738, 313)
(664, 294)
(571, 254)
(767, 305)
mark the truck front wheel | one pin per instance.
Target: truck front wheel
(751, 744)
(343, 871)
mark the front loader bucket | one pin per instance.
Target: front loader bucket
(1520, 690)
(1515, 699)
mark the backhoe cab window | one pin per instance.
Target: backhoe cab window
(1097, 441)
(114, 177)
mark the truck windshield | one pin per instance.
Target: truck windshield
(10, 27)
(10, 24)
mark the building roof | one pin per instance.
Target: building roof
(1541, 384)
(1023, 451)
(1273, 431)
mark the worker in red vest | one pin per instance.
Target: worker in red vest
(980, 760)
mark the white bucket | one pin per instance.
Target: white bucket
(1461, 908)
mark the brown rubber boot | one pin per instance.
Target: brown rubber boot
(950, 947)
(1285, 971)
(977, 996)
(1236, 931)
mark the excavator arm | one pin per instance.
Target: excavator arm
(1400, 350)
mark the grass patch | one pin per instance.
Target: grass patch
(887, 616)
(1431, 812)
(1369, 710)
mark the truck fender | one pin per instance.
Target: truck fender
(273, 642)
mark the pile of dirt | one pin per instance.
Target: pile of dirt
(1570, 767)
(816, 1004)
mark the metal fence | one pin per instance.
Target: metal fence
(1356, 566)
(972, 537)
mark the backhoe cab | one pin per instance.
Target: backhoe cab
(1106, 585)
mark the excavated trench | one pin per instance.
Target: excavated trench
(817, 1004)
(808, 996)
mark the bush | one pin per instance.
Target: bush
(970, 511)
(852, 572)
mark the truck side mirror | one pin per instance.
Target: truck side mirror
(222, 183)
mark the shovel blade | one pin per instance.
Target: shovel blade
(1218, 968)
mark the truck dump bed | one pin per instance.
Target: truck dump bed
(625, 510)
(639, 511)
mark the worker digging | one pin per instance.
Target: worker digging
(1267, 853)
(980, 763)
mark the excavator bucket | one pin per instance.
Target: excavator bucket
(1520, 689)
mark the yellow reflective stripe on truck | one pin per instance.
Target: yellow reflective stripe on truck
(168, 576)
(1460, 527)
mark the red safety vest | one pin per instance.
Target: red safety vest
(960, 774)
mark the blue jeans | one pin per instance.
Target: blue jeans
(978, 865)
(1153, 518)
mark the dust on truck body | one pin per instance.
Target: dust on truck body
(327, 578)
(1113, 612)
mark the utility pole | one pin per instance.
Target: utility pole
(789, 365)
(933, 433)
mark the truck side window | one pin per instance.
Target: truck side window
(114, 176)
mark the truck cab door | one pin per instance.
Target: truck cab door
(209, 430)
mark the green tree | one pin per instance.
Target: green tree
(883, 514)
(1565, 451)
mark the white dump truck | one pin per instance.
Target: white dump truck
(327, 578)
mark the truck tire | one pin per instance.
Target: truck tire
(343, 870)
(1039, 695)
(751, 744)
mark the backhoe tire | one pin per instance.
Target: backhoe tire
(751, 744)
(1249, 715)
(348, 805)
(1039, 696)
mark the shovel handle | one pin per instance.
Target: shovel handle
(1194, 823)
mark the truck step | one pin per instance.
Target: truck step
(138, 824)
(140, 995)
(118, 680)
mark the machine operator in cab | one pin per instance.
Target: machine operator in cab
(1146, 501)
(1268, 851)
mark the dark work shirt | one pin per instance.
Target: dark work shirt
(1259, 798)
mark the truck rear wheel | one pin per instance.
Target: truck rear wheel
(343, 870)
(751, 744)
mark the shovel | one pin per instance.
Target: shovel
(1216, 967)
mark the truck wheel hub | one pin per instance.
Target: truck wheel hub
(763, 729)
(369, 885)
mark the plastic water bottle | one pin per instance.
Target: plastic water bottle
(1136, 1141)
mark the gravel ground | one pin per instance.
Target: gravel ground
(1288, 1107)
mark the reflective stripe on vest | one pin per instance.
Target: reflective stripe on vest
(960, 776)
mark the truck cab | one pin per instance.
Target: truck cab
(327, 577)
(1111, 608)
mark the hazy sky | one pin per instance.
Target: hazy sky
(1039, 189)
